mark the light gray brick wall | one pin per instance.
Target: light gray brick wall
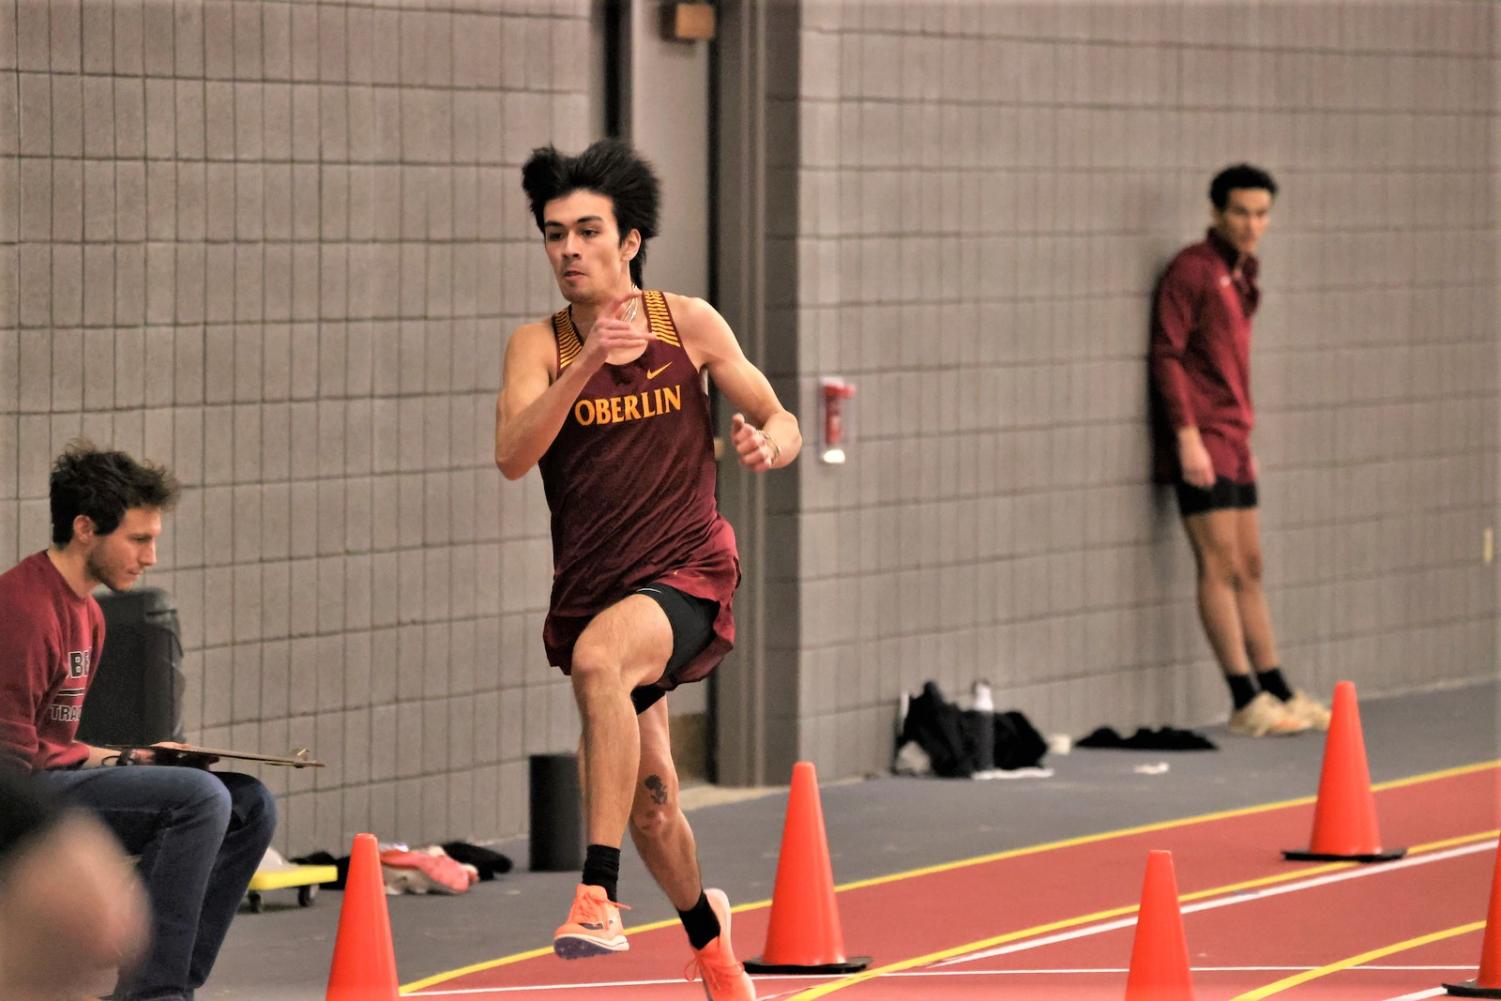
(278, 246)
(984, 195)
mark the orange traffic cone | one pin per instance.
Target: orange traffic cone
(1159, 953)
(804, 934)
(364, 967)
(1487, 983)
(1344, 819)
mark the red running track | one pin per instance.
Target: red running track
(1292, 921)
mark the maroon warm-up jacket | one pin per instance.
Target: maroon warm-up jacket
(1201, 357)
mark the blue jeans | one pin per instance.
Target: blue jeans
(200, 836)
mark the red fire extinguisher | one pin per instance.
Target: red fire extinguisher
(835, 392)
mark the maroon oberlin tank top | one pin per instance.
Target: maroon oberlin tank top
(630, 482)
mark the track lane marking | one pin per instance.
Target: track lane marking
(1067, 929)
(1160, 825)
(1114, 971)
(1288, 983)
(1268, 886)
(1119, 833)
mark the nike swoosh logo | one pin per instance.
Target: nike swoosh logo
(653, 373)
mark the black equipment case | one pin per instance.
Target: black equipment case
(136, 697)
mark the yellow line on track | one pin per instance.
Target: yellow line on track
(1365, 957)
(1126, 832)
(829, 987)
(1036, 849)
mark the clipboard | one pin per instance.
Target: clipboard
(172, 755)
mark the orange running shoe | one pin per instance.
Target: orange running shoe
(715, 964)
(593, 927)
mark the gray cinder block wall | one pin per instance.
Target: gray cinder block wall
(985, 194)
(278, 246)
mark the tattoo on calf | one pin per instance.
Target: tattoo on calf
(657, 788)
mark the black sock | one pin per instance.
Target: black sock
(700, 922)
(602, 867)
(1272, 681)
(1241, 689)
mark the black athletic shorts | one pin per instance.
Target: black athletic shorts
(692, 620)
(1225, 493)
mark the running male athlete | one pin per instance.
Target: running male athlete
(606, 397)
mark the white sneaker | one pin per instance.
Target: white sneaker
(1310, 710)
(1265, 715)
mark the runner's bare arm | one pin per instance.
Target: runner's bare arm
(534, 402)
(532, 406)
(767, 436)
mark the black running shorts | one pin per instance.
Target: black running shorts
(1225, 493)
(692, 621)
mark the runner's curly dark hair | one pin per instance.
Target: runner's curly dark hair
(609, 167)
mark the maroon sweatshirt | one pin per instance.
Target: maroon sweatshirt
(50, 641)
(630, 482)
(1201, 357)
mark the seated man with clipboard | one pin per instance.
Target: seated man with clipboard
(198, 835)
